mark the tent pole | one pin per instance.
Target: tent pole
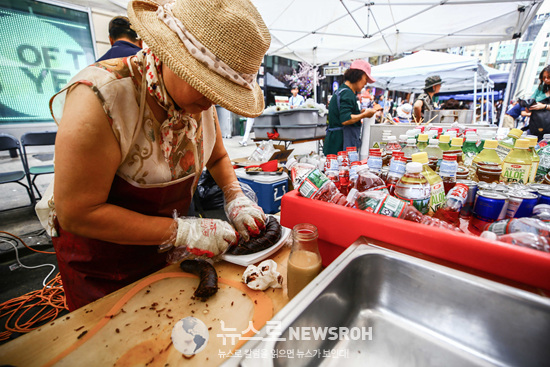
(315, 83)
(508, 85)
(492, 102)
(475, 98)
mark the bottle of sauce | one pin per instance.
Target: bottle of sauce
(517, 164)
(437, 192)
(414, 188)
(304, 261)
(447, 171)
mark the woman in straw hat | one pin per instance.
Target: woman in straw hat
(134, 136)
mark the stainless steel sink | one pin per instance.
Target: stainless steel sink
(419, 314)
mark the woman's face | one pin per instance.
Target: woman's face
(186, 97)
(546, 78)
(360, 84)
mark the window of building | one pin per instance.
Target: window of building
(544, 53)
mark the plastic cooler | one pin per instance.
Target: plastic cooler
(260, 131)
(297, 131)
(339, 227)
(268, 188)
(267, 119)
(299, 116)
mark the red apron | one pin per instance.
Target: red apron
(91, 269)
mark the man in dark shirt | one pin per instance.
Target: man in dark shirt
(124, 40)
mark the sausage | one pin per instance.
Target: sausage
(208, 284)
(267, 238)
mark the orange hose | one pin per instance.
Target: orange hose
(24, 244)
(49, 301)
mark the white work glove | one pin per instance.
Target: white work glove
(208, 237)
(247, 217)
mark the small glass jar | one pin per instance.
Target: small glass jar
(304, 261)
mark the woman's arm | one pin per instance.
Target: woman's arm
(87, 156)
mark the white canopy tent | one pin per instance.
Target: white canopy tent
(458, 73)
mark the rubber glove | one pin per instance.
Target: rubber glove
(247, 217)
(202, 236)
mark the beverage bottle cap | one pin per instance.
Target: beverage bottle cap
(411, 141)
(444, 138)
(456, 142)
(351, 149)
(421, 157)
(413, 167)
(434, 141)
(449, 157)
(471, 138)
(404, 137)
(491, 144)
(423, 137)
(522, 144)
(392, 139)
(375, 152)
(516, 133)
(546, 136)
(533, 140)
(397, 153)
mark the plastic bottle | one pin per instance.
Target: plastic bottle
(367, 180)
(392, 145)
(435, 154)
(513, 225)
(318, 186)
(375, 160)
(507, 144)
(469, 150)
(488, 156)
(544, 164)
(544, 142)
(523, 239)
(380, 203)
(343, 176)
(447, 171)
(542, 212)
(535, 159)
(444, 142)
(456, 148)
(437, 192)
(422, 142)
(517, 164)
(403, 140)
(414, 188)
(353, 156)
(410, 149)
(455, 199)
(397, 170)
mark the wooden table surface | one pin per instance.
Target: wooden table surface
(126, 339)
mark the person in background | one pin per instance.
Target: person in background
(344, 115)
(404, 113)
(450, 104)
(511, 116)
(498, 110)
(124, 40)
(424, 102)
(295, 100)
(134, 136)
(248, 128)
(543, 90)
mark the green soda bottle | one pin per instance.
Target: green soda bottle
(517, 164)
(437, 192)
(507, 144)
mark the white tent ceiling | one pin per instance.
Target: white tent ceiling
(320, 31)
(409, 73)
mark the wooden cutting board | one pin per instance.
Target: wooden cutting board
(138, 334)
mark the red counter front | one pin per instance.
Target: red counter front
(339, 227)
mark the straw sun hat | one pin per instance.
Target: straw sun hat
(223, 45)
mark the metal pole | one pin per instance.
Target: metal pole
(475, 97)
(508, 85)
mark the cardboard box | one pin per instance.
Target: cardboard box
(339, 227)
(281, 156)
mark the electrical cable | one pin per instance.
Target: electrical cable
(50, 300)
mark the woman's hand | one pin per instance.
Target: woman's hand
(539, 106)
(208, 237)
(247, 217)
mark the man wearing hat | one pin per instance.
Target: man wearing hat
(124, 40)
(424, 102)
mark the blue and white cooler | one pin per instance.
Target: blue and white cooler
(269, 188)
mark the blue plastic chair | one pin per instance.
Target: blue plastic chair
(8, 142)
(37, 139)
